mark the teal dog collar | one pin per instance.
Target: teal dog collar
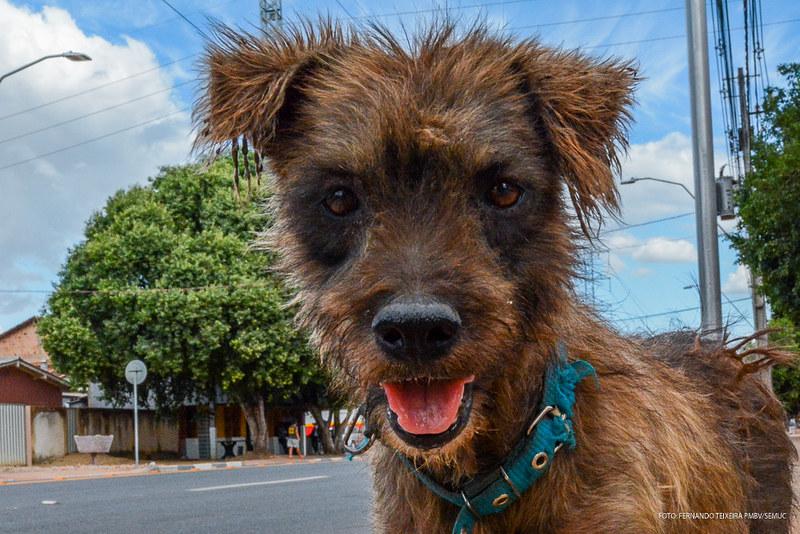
(530, 459)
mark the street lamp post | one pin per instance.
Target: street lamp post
(759, 316)
(711, 308)
(72, 56)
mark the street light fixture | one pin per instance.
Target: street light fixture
(70, 55)
(76, 56)
(641, 179)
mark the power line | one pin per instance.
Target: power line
(128, 290)
(125, 78)
(604, 17)
(181, 15)
(142, 28)
(97, 87)
(725, 78)
(645, 223)
(489, 4)
(735, 307)
(673, 37)
(186, 109)
(184, 58)
(93, 139)
(347, 11)
(636, 41)
(640, 245)
(673, 312)
(93, 113)
(438, 9)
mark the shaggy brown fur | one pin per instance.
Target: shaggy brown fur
(419, 133)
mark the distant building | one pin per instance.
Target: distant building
(24, 383)
(193, 433)
(22, 341)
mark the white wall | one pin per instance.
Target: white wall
(49, 431)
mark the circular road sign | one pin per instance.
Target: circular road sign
(135, 372)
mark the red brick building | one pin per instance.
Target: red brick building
(26, 373)
(24, 383)
(22, 341)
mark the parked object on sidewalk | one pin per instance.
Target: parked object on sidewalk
(94, 445)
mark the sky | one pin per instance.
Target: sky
(71, 134)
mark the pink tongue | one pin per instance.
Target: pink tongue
(426, 407)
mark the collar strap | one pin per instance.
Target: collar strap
(530, 459)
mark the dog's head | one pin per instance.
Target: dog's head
(419, 199)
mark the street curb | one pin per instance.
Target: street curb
(146, 470)
(208, 466)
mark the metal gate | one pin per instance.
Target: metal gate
(13, 448)
(72, 429)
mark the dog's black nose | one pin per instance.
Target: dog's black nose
(416, 328)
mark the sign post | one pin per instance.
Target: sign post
(135, 373)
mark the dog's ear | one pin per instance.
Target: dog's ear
(254, 84)
(582, 108)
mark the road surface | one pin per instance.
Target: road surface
(319, 498)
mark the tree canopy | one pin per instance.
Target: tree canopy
(768, 236)
(166, 274)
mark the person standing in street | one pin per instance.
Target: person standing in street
(315, 439)
(293, 440)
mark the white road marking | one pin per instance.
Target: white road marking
(265, 483)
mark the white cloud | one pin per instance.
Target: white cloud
(663, 250)
(669, 158)
(738, 282)
(652, 250)
(620, 240)
(46, 202)
(615, 263)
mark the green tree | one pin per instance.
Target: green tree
(785, 378)
(166, 274)
(768, 235)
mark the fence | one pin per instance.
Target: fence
(72, 429)
(156, 435)
(13, 442)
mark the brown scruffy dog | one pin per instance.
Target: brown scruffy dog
(421, 193)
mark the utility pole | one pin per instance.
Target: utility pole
(759, 304)
(271, 13)
(703, 163)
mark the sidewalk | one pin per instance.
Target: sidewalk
(45, 473)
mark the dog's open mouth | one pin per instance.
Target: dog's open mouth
(428, 413)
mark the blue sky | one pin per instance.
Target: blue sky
(141, 84)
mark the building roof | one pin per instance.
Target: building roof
(31, 369)
(20, 326)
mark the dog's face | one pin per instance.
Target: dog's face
(419, 204)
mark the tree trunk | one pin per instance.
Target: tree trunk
(257, 423)
(324, 432)
(261, 420)
(339, 428)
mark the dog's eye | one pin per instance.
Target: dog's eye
(504, 195)
(341, 202)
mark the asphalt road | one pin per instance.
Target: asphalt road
(322, 498)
